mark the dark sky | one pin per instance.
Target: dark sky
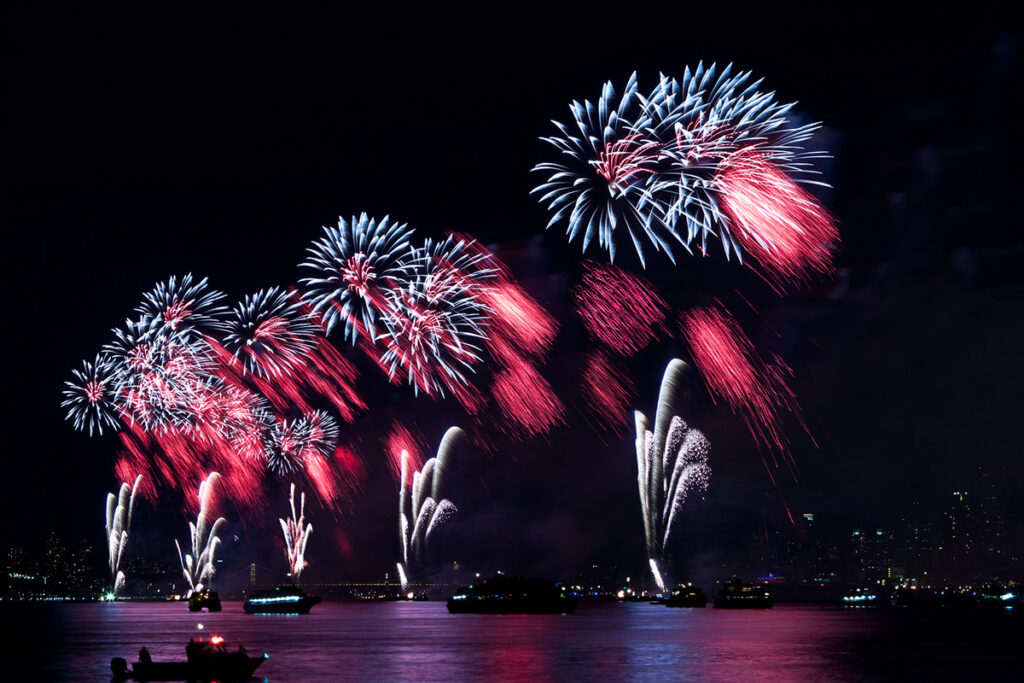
(220, 145)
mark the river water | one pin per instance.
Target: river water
(420, 641)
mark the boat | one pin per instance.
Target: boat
(862, 597)
(738, 595)
(688, 596)
(205, 660)
(204, 598)
(512, 595)
(280, 600)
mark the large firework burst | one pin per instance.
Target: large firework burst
(603, 179)
(356, 263)
(269, 334)
(702, 157)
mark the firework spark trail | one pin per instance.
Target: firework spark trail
(119, 522)
(199, 565)
(785, 228)
(296, 536)
(526, 398)
(665, 167)
(672, 462)
(733, 370)
(404, 440)
(421, 510)
(356, 264)
(607, 389)
(618, 309)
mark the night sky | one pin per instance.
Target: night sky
(221, 146)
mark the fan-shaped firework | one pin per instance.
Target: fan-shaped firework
(296, 536)
(356, 263)
(290, 442)
(90, 397)
(421, 509)
(269, 334)
(700, 157)
(199, 565)
(119, 522)
(433, 333)
(183, 306)
(672, 461)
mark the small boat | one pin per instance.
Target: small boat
(512, 595)
(736, 594)
(690, 596)
(206, 660)
(280, 600)
(862, 597)
(204, 598)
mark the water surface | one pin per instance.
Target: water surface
(602, 641)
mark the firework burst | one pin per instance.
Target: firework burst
(291, 442)
(434, 333)
(356, 264)
(89, 398)
(269, 335)
(183, 306)
(607, 166)
(705, 157)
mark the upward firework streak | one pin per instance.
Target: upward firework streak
(697, 158)
(672, 461)
(296, 537)
(199, 565)
(119, 521)
(421, 510)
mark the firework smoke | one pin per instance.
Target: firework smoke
(672, 462)
(296, 536)
(119, 522)
(421, 509)
(198, 566)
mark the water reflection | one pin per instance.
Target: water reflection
(421, 641)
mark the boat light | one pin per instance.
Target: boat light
(216, 640)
